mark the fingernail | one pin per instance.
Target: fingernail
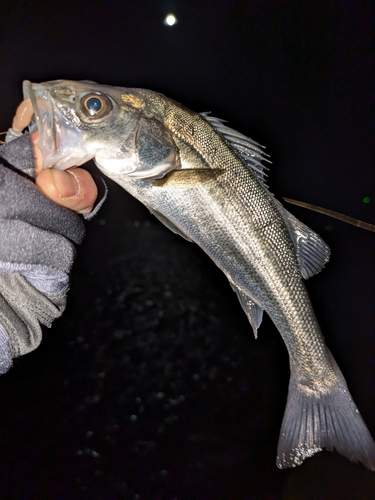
(66, 183)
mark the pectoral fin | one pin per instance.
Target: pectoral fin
(188, 177)
(253, 312)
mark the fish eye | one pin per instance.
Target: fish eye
(95, 105)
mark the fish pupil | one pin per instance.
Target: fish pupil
(94, 105)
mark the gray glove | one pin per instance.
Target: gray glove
(37, 251)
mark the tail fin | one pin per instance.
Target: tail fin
(324, 418)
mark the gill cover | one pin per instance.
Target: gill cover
(148, 152)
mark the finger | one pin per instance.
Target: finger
(73, 188)
(38, 157)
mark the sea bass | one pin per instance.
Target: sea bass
(206, 182)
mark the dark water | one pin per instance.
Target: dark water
(151, 386)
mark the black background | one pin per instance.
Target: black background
(151, 386)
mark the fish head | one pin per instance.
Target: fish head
(80, 121)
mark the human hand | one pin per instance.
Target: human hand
(37, 248)
(73, 188)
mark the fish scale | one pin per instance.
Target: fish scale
(239, 182)
(205, 182)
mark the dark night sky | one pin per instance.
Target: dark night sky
(151, 386)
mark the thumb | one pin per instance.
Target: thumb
(73, 188)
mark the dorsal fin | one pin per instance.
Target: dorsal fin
(312, 252)
(250, 151)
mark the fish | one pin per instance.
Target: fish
(207, 182)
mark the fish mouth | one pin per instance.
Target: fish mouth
(42, 121)
(59, 142)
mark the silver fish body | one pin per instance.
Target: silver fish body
(206, 182)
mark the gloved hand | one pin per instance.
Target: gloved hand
(37, 251)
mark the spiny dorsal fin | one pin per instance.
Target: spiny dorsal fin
(250, 151)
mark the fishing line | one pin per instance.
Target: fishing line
(334, 215)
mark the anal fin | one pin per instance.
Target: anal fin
(253, 312)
